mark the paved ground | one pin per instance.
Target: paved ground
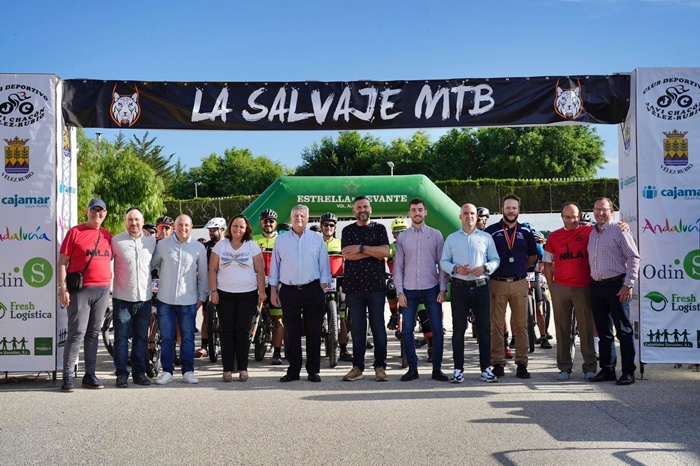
(514, 422)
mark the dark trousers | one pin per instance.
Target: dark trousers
(236, 312)
(478, 300)
(608, 311)
(308, 302)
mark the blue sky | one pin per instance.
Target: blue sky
(340, 41)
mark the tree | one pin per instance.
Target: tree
(152, 153)
(351, 154)
(120, 178)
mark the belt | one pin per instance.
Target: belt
(305, 285)
(508, 279)
(610, 280)
(459, 283)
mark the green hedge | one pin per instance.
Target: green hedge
(538, 196)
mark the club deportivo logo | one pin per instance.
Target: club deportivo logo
(675, 193)
(568, 103)
(21, 105)
(672, 98)
(679, 303)
(676, 153)
(17, 160)
(125, 109)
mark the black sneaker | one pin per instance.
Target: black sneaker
(430, 356)
(545, 344)
(92, 382)
(122, 381)
(346, 356)
(521, 372)
(142, 380)
(68, 385)
(498, 370)
(439, 376)
(393, 322)
(369, 345)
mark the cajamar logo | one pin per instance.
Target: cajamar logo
(125, 108)
(568, 103)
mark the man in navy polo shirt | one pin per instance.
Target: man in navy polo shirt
(518, 251)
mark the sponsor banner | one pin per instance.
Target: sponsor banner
(356, 105)
(627, 163)
(668, 118)
(27, 222)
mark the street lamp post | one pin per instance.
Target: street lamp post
(196, 183)
(391, 165)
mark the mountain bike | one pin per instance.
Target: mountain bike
(331, 322)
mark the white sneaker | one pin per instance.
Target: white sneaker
(457, 376)
(188, 377)
(562, 376)
(165, 377)
(488, 376)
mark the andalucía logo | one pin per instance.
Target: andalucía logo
(682, 226)
(676, 153)
(679, 303)
(672, 98)
(17, 160)
(21, 105)
(676, 193)
(23, 235)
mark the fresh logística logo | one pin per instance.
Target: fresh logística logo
(679, 303)
(23, 311)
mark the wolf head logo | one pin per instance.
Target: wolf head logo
(568, 104)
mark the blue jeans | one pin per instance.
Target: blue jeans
(185, 314)
(408, 316)
(361, 306)
(479, 301)
(131, 320)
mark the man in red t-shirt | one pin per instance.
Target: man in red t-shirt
(569, 276)
(86, 249)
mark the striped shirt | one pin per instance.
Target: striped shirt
(612, 252)
(417, 260)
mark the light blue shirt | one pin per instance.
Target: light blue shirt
(182, 270)
(298, 260)
(475, 249)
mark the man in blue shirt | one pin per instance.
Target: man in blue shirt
(517, 250)
(470, 256)
(300, 267)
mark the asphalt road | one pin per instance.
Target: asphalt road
(262, 421)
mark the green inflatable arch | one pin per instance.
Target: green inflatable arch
(389, 196)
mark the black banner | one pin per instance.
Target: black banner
(359, 105)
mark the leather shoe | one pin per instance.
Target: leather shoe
(412, 374)
(439, 375)
(604, 376)
(625, 379)
(142, 380)
(314, 378)
(289, 378)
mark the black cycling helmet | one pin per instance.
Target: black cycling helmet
(268, 213)
(315, 228)
(151, 227)
(482, 212)
(585, 217)
(165, 219)
(329, 217)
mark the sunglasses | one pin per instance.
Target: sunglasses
(397, 231)
(269, 220)
(326, 225)
(164, 227)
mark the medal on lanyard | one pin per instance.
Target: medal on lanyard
(510, 241)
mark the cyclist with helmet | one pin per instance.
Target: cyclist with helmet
(150, 229)
(216, 227)
(266, 241)
(537, 268)
(335, 255)
(585, 219)
(482, 214)
(165, 227)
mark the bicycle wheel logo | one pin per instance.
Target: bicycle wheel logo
(672, 98)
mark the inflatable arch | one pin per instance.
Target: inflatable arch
(389, 197)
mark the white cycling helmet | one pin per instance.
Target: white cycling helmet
(216, 222)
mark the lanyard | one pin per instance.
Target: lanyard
(510, 240)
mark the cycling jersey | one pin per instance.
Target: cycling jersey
(266, 245)
(335, 255)
(390, 259)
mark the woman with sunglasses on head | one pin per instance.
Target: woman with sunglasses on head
(237, 288)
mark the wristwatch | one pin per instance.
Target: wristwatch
(486, 268)
(362, 248)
